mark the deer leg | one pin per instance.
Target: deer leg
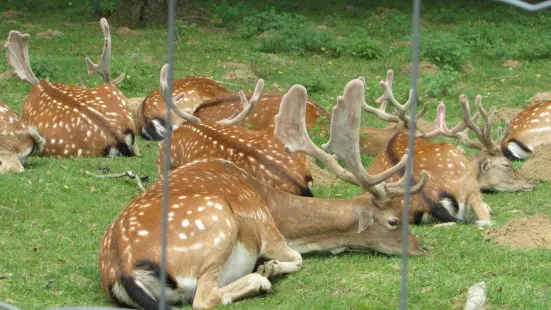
(481, 210)
(209, 295)
(283, 259)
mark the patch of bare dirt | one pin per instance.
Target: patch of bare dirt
(265, 35)
(126, 31)
(505, 114)
(277, 87)
(6, 75)
(49, 33)
(9, 21)
(31, 26)
(511, 63)
(468, 68)
(12, 14)
(320, 176)
(321, 28)
(539, 98)
(538, 167)
(134, 103)
(242, 72)
(277, 58)
(524, 233)
(424, 67)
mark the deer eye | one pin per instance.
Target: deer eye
(393, 222)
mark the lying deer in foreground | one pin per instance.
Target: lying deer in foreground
(492, 170)
(150, 121)
(75, 121)
(257, 152)
(221, 220)
(529, 129)
(17, 141)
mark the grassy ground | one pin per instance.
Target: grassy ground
(52, 216)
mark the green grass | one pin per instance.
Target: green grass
(53, 215)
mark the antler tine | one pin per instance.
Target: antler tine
(441, 128)
(484, 135)
(103, 66)
(17, 55)
(397, 189)
(170, 100)
(388, 96)
(344, 142)
(290, 128)
(248, 106)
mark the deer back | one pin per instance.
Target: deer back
(152, 112)
(257, 152)
(263, 115)
(529, 129)
(451, 182)
(77, 121)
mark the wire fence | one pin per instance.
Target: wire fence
(416, 35)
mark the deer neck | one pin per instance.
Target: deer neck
(314, 224)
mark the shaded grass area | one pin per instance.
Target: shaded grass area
(53, 215)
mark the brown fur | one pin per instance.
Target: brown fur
(77, 121)
(213, 207)
(197, 90)
(16, 143)
(257, 152)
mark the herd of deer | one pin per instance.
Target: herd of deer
(241, 196)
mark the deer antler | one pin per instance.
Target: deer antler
(17, 54)
(248, 105)
(103, 66)
(290, 128)
(388, 96)
(170, 101)
(485, 141)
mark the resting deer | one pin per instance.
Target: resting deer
(257, 152)
(17, 141)
(493, 171)
(528, 130)
(151, 123)
(75, 121)
(221, 220)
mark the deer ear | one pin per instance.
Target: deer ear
(365, 218)
(485, 165)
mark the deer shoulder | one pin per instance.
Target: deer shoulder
(75, 121)
(221, 221)
(528, 130)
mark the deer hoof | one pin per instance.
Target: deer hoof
(269, 269)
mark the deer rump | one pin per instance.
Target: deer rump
(96, 128)
(257, 152)
(445, 197)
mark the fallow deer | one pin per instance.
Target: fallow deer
(17, 141)
(75, 121)
(221, 221)
(528, 130)
(494, 172)
(257, 152)
(150, 121)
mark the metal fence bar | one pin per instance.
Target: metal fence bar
(411, 145)
(528, 6)
(167, 138)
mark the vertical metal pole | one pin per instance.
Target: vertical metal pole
(411, 146)
(168, 137)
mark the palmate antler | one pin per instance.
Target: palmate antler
(17, 55)
(388, 96)
(290, 128)
(485, 141)
(103, 66)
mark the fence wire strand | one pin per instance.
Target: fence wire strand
(167, 138)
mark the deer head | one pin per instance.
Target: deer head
(75, 121)
(528, 130)
(494, 171)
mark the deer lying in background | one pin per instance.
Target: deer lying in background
(494, 172)
(221, 221)
(150, 121)
(75, 121)
(257, 152)
(17, 141)
(529, 129)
